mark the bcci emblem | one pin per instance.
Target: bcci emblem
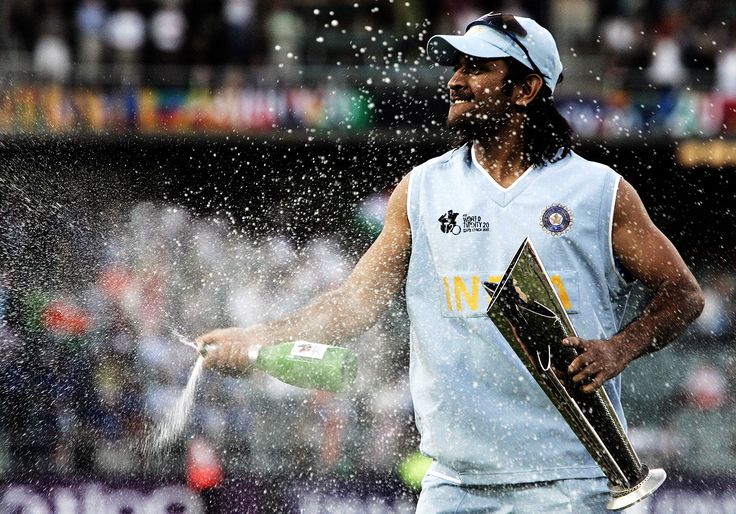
(556, 219)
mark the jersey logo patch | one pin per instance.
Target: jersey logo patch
(556, 219)
(450, 224)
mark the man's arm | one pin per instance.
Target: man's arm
(335, 315)
(650, 257)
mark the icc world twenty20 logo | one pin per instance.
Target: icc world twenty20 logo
(448, 223)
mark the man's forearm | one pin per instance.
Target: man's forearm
(675, 305)
(333, 317)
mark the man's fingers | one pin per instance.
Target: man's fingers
(213, 356)
(220, 360)
(212, 340)
(579, 363)
(228, 357)
(593, 365)
(575, 366)
(212, 337)
(573, 341)
(594, 384)
(226, 349)
(588, 371)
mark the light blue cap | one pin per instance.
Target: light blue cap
(487, 42)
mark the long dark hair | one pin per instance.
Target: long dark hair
(547, 135)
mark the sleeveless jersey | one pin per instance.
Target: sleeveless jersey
(481, 416)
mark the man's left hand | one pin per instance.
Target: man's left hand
(597, 361)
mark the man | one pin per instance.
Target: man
(497, 443)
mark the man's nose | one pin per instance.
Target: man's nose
(456, 81)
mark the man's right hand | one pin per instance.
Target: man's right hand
(227, 348)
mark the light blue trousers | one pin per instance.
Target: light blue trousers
(577, 496)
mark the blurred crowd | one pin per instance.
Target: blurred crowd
(87, 373)
(633, 69)
(134, 41)
(639, 44)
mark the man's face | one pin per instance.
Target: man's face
(477, 105)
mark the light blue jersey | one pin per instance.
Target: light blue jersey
(482, 417)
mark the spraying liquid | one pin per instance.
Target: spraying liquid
(183, 340)
(173, 424)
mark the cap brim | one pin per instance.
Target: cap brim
(445, 50)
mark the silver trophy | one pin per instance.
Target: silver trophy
(527, 311)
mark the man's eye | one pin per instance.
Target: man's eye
(470, 69)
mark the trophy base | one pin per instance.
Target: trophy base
(623, 498)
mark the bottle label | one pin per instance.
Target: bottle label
(309, 350)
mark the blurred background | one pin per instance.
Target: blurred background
(172, 166)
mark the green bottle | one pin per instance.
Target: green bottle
(308, 365)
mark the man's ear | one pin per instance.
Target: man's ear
(528, 90)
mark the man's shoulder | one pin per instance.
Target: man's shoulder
(574, 163)
(445, 159)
